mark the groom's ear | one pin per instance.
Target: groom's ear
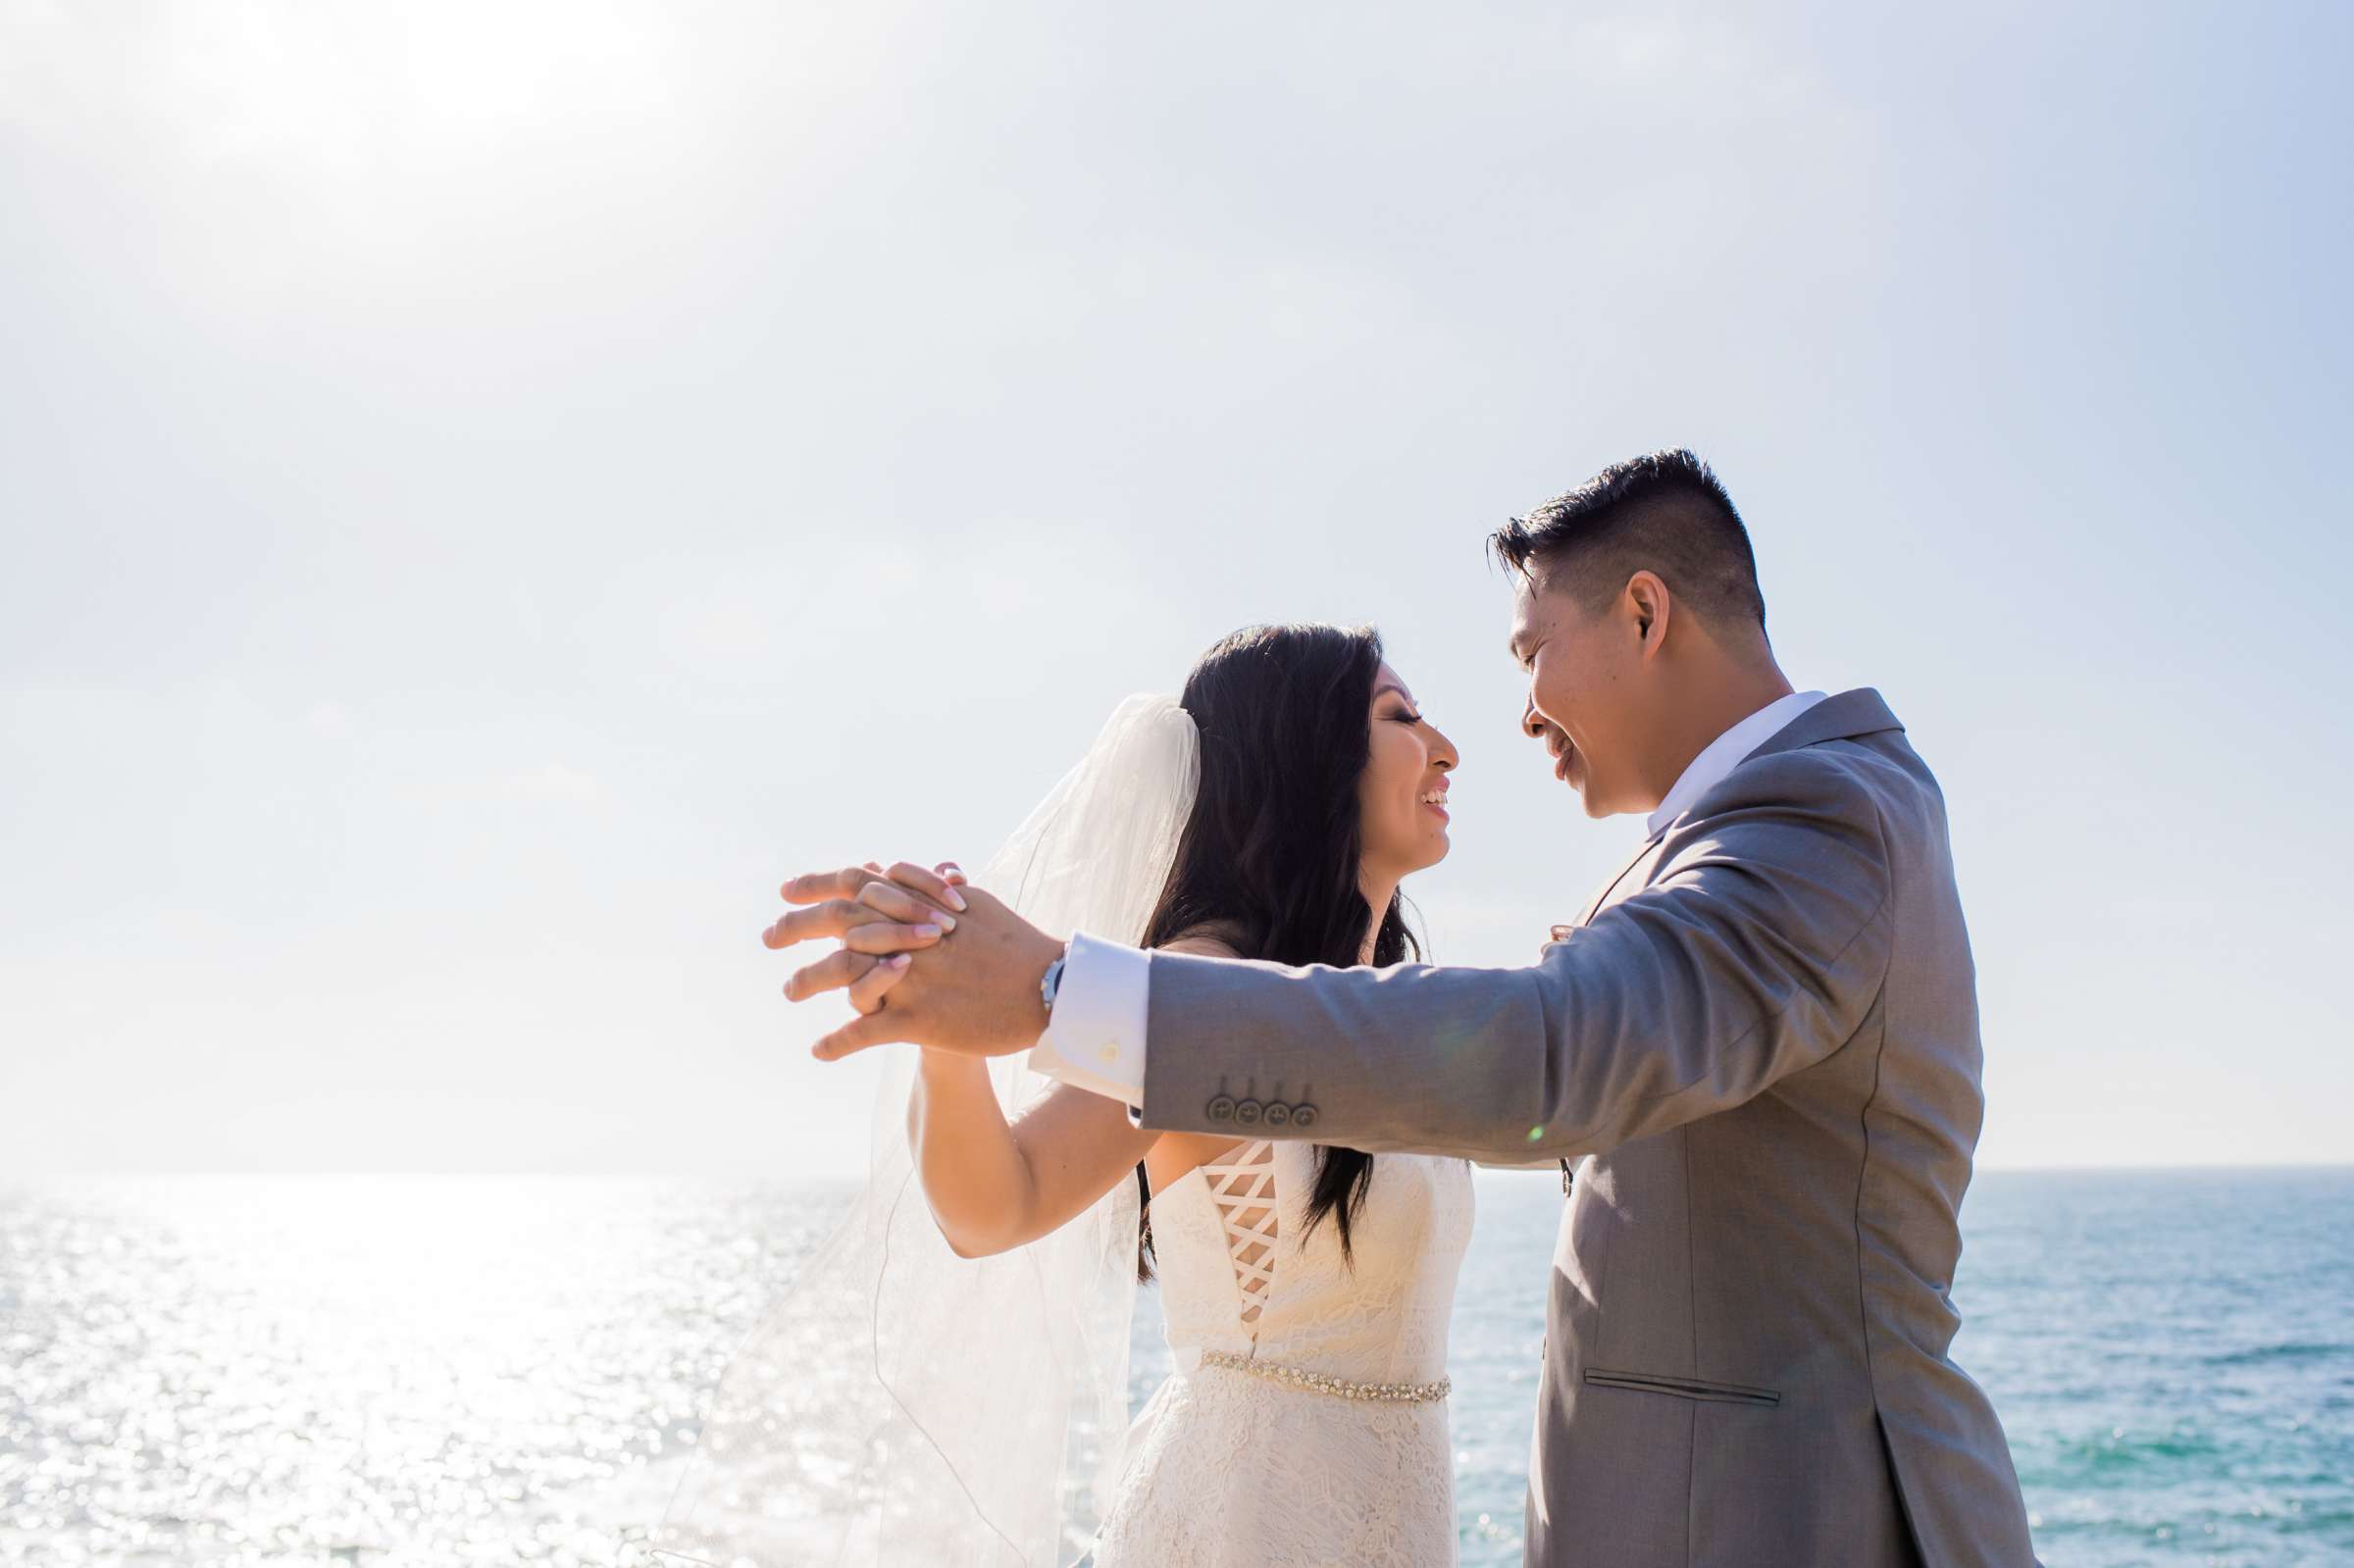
(1650, 606)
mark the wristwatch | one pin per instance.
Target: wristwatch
(1053, 981)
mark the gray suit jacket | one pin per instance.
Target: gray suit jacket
(1765, 1033)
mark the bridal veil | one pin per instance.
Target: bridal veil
(903, 1405)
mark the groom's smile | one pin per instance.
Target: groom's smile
(1527, 639)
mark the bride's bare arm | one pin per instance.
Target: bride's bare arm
(995, 1184)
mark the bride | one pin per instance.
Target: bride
(1270, 813)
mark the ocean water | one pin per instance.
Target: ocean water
(416, 1370)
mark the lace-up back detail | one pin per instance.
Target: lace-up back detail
(1304, 1424)
(1242, 1184)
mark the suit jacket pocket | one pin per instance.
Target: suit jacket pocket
(1683, 1388)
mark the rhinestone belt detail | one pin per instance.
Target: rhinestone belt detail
(1324, 1383)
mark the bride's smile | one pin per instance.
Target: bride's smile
(1402, 795)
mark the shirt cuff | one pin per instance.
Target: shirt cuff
(1095, 1039)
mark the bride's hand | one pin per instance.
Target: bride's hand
(876, 919)
(866, 932)
(976, 994)
(895, 901)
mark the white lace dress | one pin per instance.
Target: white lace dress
(1254, 1454)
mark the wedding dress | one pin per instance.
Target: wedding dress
(1307, 1420)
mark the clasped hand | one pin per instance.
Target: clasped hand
(925, 958)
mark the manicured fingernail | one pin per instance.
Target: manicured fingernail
(927, 931)
(955, 900)
(899, 960)
(945, 921)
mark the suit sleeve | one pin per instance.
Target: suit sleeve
(1756, 951)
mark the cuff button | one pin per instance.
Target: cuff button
(1304, 1116)
(1246, 1113)
(1278, 1114)
(1221, 1109)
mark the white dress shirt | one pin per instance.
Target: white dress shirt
(1094, 1038)
(1726, 752)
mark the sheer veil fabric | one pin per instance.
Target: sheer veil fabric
(902, 1404)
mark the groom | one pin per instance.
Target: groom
(1762, 1034)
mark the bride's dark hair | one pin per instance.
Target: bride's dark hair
(1268, 862)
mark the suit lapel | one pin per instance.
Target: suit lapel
(1641, 853)
(1611, 887)
(1860, 712)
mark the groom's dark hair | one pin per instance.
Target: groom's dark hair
(1664, 512)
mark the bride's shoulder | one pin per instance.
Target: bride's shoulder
(1205, 941)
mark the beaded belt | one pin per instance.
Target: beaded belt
(1324, 1383)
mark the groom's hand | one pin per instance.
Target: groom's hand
(972, 990)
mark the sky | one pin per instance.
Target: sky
(486, 491)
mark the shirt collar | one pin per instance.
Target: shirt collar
(1726, 752)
